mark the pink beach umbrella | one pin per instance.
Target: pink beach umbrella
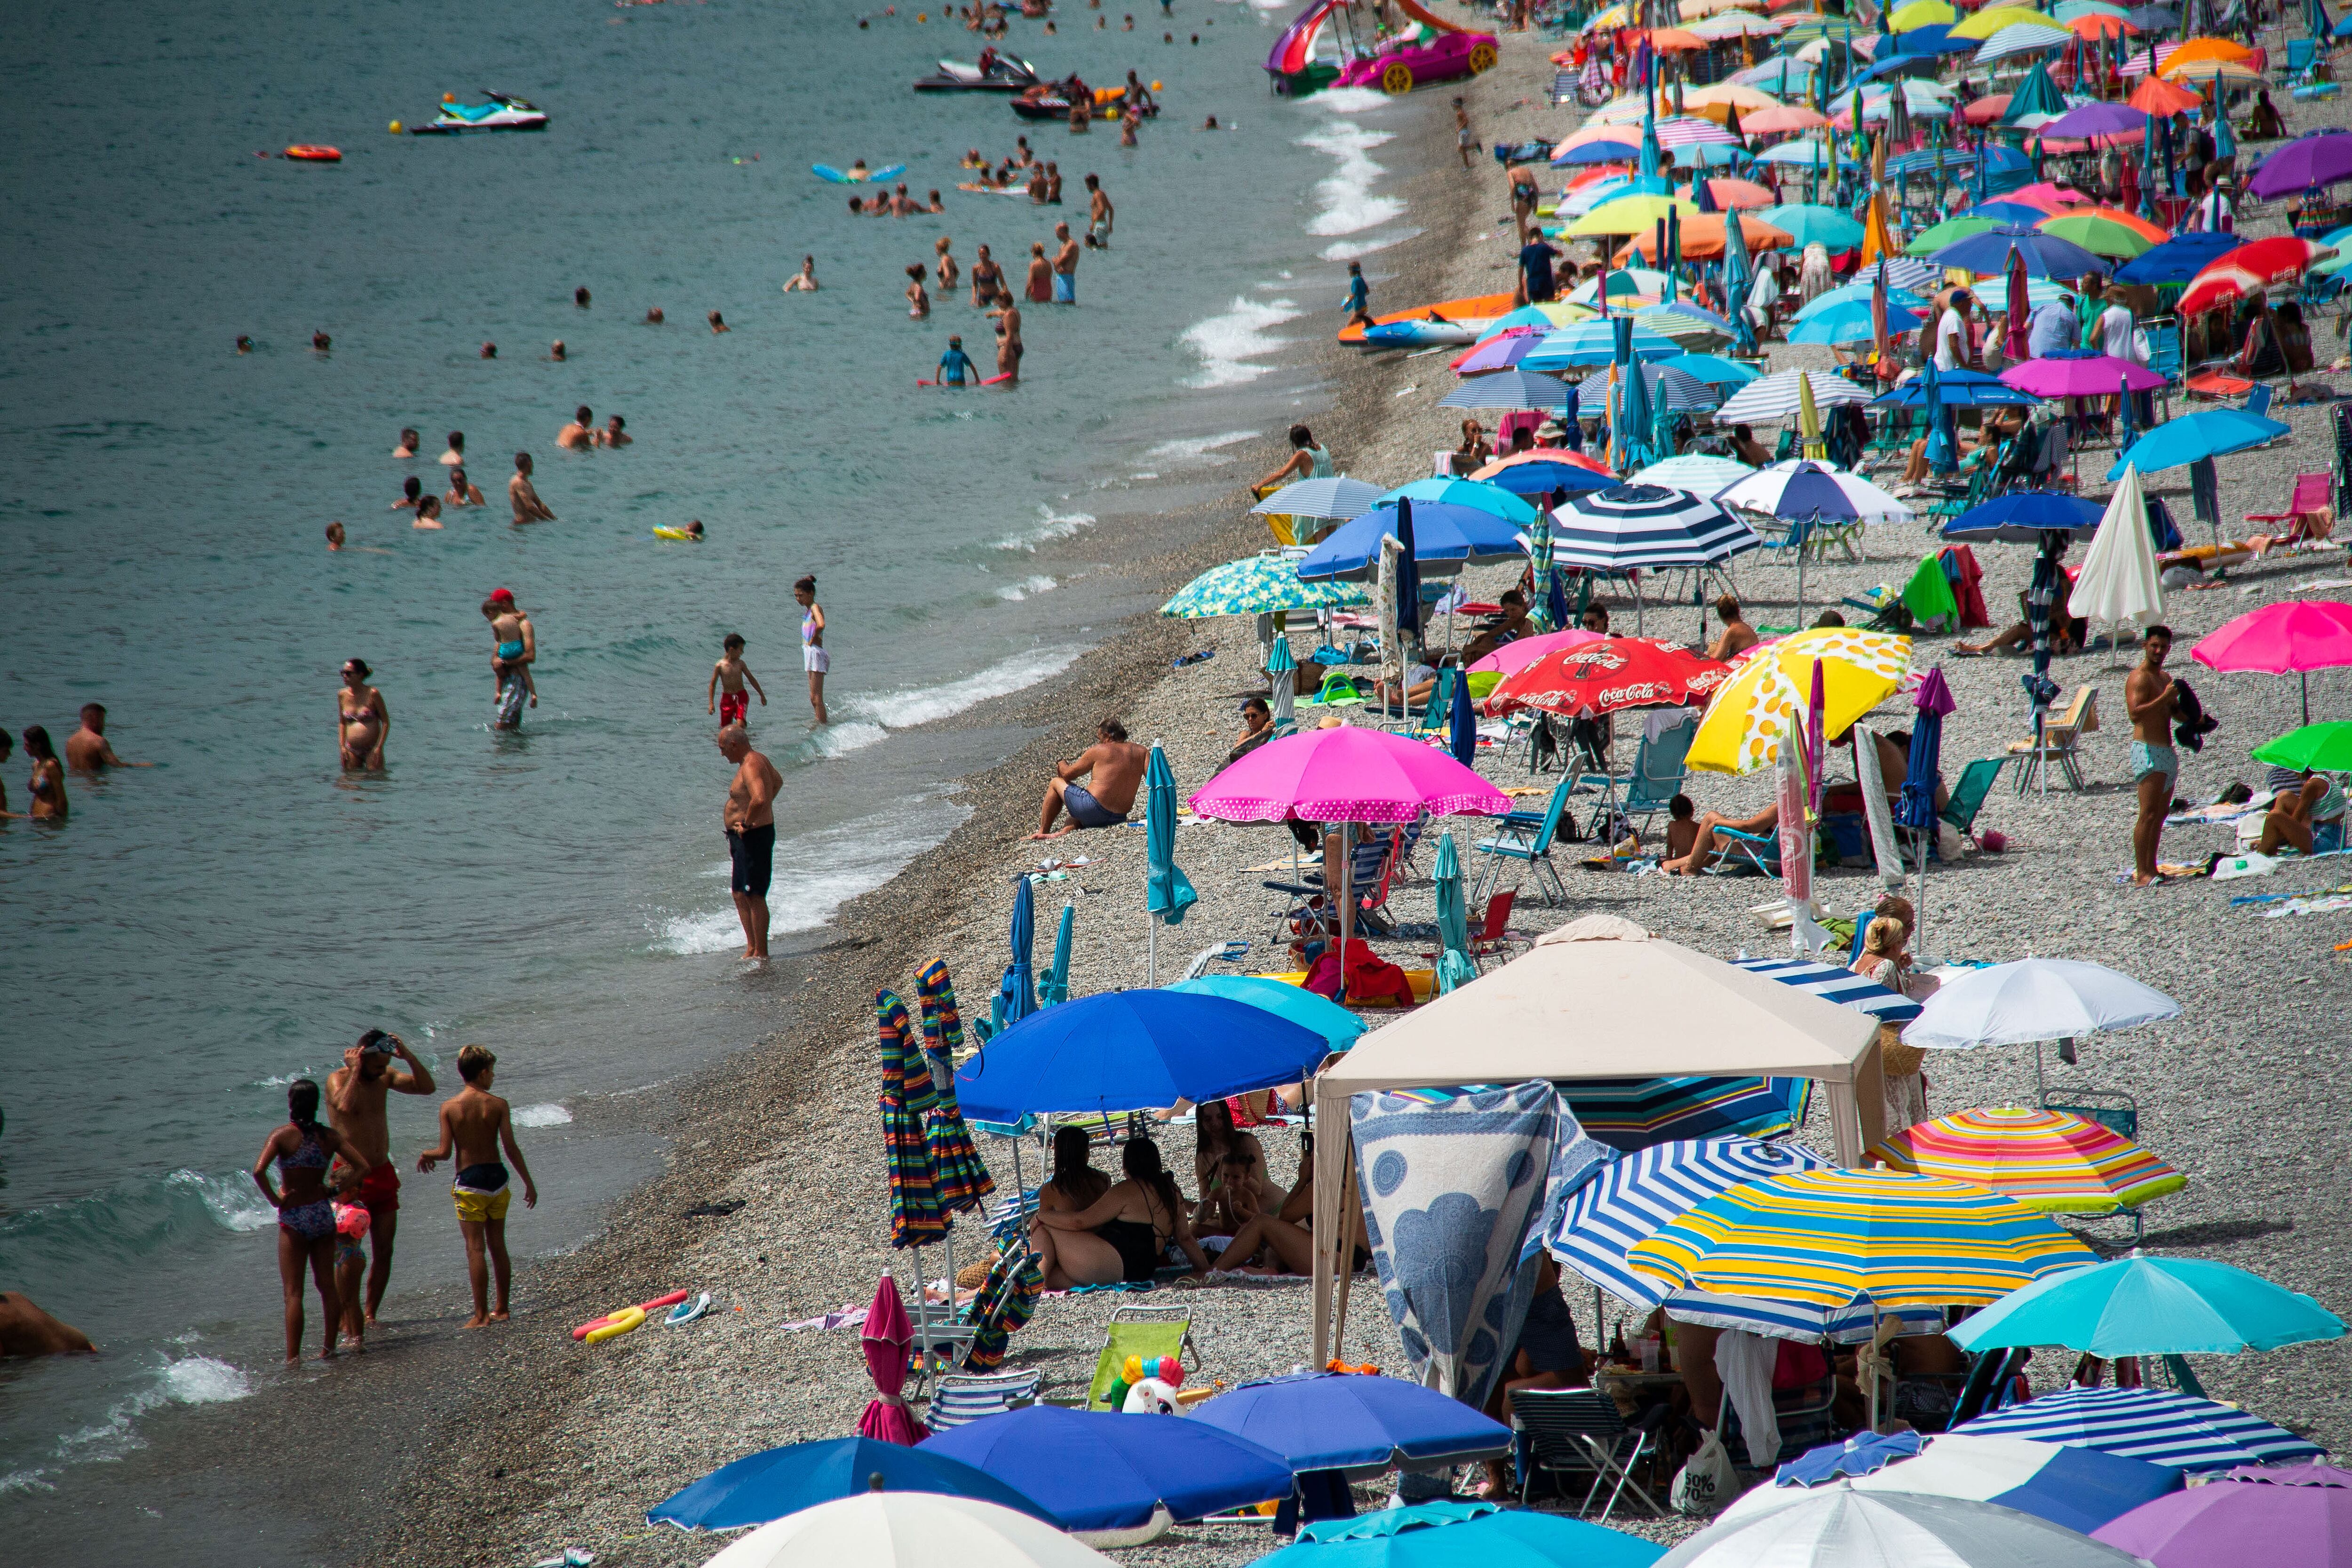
(886, 1335)
(1514, 657)
(2091, 375)
(2298, 635)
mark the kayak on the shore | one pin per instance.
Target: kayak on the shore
(1472, 311)
(1430, 332)
(503, 113)
(991, 72)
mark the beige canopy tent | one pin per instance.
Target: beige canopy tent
(1598, 999)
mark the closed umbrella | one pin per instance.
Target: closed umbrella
(1168, 891)
(2014, 345)
(1454, 965)
(2040, 599)
(915, 1219)
(1739, 278)
(1017, 993)
(1407, 630)
(908, 1529)
(780, 1481)
(962, 1180)
(1282, 690)
(1003, 1305)
(1916, 807)
(2118, 581)
(1057, 974)
(1462, 726)
(885, 1338)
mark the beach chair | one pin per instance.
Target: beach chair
(1580, 1430)
(2310, 509)
(2060, 741)
(1371, 866)
(1527, 843)
(1147, 1331)
(1493, 937)
(1656, 776)
(1804, 1415)
(1967, 796)
(961, 1397)
(1433, 715)
(1736, 852)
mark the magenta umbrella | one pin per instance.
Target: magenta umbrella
(1514, 657)
(2320, 158)
(2298, 635)
(2079, 375)
(886, 1337)
(2015, 342)
(2301, 1515)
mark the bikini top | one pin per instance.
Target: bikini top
(311, 1155)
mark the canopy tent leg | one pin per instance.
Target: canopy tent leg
(1342, 1255)
(1330, 1174)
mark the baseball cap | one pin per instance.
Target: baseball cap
(502, 595)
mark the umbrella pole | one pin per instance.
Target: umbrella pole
(1152, 950)
(2307, 694)
(1347, 901)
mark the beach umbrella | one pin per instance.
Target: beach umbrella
(1803, 489)
(1134, 1050)
(1727, 192)
(2198, 437)
(1499, 351)
(2119, 579)
(2033, 1000)
(2037, 94)
(1804, 153)
(1515, 390)
(1257, 585)
(2314, 159)
(2077, 373)
(1017, 993)
(1770, 399)
(1855, 322)
(1860, 294)
(1002, 1306)
(1346, 775)
(2158, 99)
(915, 1219)
(2315, 748)
(1782, 119)
(1632, 213)
(1462, 727)
(2105, 231)
(1307, 1009)
(2139, 1306)
(1703, 234)
(1609, 149)
(1686, 323)
(1096, 1470)
(1749, 713)
(2022, 517)
(2046, 1160)
(2043, 255)
(884, 1338)
(2098, 123)
(1930, 240)
(1057, 987)
(1471, 493)
(1830, 1237)
(2153, 1425)
(1607, 675)
(961, 1178)
(1340, 497)
(1960, 389)
(1631, 1199)
(1406, 632)
(2302, 1515)
(2020, 39)
(1589, 343)
(1517, 655)
(1445, 539)
(1356, 1424)
(2248, 271)
(908, 1529)
(2296, 634)
(768, 1486)
(2178, 258)
(1545, 469)
(1454, 965)
(2078, 1489)
(1645, 526)
(1281, 693)
(1168, 891)
(1697, 472)
(1738, 279)
(1459, 1534)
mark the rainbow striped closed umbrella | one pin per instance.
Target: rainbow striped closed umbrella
(915, 1219)
(963, 1182)
(1831, 1238)
(2046, 1160)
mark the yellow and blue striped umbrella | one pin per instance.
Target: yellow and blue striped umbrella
(1832, 1237)
(1257, 585)
(2046, 1160)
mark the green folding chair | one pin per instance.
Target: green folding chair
(1149, 1333)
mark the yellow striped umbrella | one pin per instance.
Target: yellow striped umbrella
(1986, 23)
(2046, 1160)
(1770, 685)
(1832, 1239)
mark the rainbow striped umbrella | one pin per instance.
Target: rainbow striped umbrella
(963, 1181)
(916, 1218)
(1830, 1237)
(1006, 1301)
(2046, 1160)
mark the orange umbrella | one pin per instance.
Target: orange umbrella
(1729, 192)
(2197, 49)
(2099, 25)
(1787, 117)
(1675, 39)
(2158, 98)
(1702, 237)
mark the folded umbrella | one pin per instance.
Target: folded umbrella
(884, 1338)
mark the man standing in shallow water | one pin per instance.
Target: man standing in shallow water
(528, 507)
(356, 1094)
(750, 818)
(478, 1124)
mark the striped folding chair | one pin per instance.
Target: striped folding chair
(962, 1397)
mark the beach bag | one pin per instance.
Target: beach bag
(1705, 1482)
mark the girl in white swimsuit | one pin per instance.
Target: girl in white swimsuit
(814, 657)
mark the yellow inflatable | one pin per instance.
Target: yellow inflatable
(620, 1323)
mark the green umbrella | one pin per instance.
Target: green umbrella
(1454, 965)
(1927, 241)
(1257, 585)
(2315, 748)
(1058, 975)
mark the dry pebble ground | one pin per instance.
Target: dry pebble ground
(2248, 1093)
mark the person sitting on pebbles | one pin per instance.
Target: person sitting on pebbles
(1113, 767)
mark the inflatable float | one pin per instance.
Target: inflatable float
(589, 1330)
(988, 381)
(1052, 103)
(503, 113)
(1422, 335)
(309, 152)
(1473, 312)
(857, 175)
(678, 533)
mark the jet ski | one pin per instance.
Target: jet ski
(993, 73)
(501, 113)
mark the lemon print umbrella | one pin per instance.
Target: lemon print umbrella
(1766, 697)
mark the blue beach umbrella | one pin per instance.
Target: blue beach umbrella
(1851, 323)
(785, 1480)
(1168, 891)
(1594, 343)
(2044, 255)
(2152, 1306)
(2149, 1424)
(1016, 994)
(1810, 223)
(2197, 437)
(1296, 1004)
(1859, 1455)
(1941, 457)
(1738, 276)
(2022, 517)
(1515, 390)
(1475, 493)
(1542, 475)
(1133, 1050)
(1444, 538)
(1356, 1424)
(1958, 389)
(1597, 153)
(1099, 1470)
(2077, 1488)
(1461, 1534)
(1454, 965)
(1713, 369)
(1058, 976)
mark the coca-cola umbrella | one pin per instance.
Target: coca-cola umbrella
(1609, 674)
(2248, 271)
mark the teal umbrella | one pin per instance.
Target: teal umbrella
(1307, 1009)
(1057, 978)
(1462, 1535)
(1169, 892)
(1257, 585)
(1454, 965)
(2152, 1306)
(1281, 689)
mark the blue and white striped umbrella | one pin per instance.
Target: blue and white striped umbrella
(1770, 399)
(1645, 525)
(1634, 1195)
(2022, 39)
(1340, 498)
(1516, 389)
(1831, 983)
(2162, 1428)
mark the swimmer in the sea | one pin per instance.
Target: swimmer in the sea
(695, 528)
(1099, 214)
(936, 205)
(454, 457)
(334, 536)
(555, 351)
(510, 661)
(654, 317)
(955, 368)
(579, 296)
(902, 204)
(919, 300)
(945, 264)
(428, 512)
(321, 343)
(1040, 274)
(409, 441)
(725, 695)
(615, 432)
(717, 324)
(463, 491)
(489, 350)
(1210, 124)
(362, 719)
(857, 169)
(410, 489)
(805, 281)
(986, 275)
(523, 497)
(1053, 183)
(243, 343)
(579, 435)
(857, 205)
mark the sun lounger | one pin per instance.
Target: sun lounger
(1530, 844)
(1149, 1333)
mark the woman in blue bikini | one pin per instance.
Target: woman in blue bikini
(306, 1218)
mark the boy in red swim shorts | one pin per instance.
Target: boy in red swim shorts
(725, 695)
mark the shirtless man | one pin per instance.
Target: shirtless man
(1099, 215)
(528, 507)
(750, 818)
(48, 783)
(356, 1092)
(517, 651)
(2149, 700)
(1053, 183)
(1738, 635)
(475, 1123)
(1117, 765)
(805, 281)
(26, 1330)
(1066, 267)
(454, 457)
(579, 435)
(87, 749)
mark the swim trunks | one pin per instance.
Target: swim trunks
(510, 651)
(380, 1189)
(2148, 759)
(816, 660)
(509, 712)
(733, 706)
(2327, 837)
(1065, 287)
(481, 1193)
(752, 857)
(1087, 811)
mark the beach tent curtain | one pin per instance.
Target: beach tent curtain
(1591, 1000)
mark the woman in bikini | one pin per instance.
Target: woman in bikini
(1224, 1210)
(462, 490)
(985, 276)
(1131, 1225)
(1075, 1187)
(814, 658)
(362, 719)
(306, 1217)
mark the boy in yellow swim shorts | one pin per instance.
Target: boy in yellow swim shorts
(477, 1125)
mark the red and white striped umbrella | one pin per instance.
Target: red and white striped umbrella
(2248, 271)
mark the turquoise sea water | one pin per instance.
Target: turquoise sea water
(201, 933)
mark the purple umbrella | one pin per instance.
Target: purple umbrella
(1501, 351)
(2078, 376)
(2299, 1512)
(2320, 158)
(2093, 120)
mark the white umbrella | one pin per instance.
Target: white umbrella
(1761, 491)
(906, 1529)
(1768, 399)
(2119, 579)
(2033, 1000)
(1840, 1528)
(1693, 471)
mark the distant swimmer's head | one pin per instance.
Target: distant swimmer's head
(1036, 247)
(457, 480)
(916, 271)
(474, 1064)
(717, 324)
(654, 317)
(940, 245)
(334, 536)
(427, 509)
(695, 528)
(409, 440)
(243, 343)
(302, 1102)
(504, 597)
(1210, 124)
(36, 744)
(410, 489)
(1061, 231)
(584, 415)
(616, 424)
(523, 462)
(856, 165)
(1301, 436)
(555, 351)
(456, 440)
(489, 350)
(902, 187)
(579, 296)
(321, 341)
(1094, 182)
(856, 205)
